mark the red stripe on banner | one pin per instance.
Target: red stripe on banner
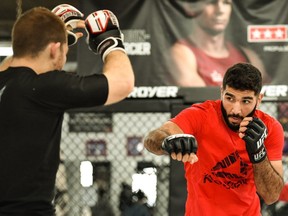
(267, 33)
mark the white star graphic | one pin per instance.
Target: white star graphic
(279, 33)
(256, 34)
(267, 33)
(216, 76)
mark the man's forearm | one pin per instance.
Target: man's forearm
(153, 141)
(5, 63)
(268, 181)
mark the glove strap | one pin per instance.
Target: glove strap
(72, 38)
(108, 45)
(259, 156)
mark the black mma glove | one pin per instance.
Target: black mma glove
(104, 34)
(70, 16)
(254, 138)
(184, 143)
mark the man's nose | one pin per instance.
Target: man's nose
(236, 108)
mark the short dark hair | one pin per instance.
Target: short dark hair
(34, 30)
(243, 76)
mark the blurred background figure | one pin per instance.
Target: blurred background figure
(202, 58)
(125, 198)
(103, 206)
(138, 206)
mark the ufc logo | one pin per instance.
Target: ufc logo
(260, 155)
(262, 138)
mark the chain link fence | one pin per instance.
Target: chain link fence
(123, 171)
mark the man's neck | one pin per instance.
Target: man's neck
(212, 45)
(36, 64)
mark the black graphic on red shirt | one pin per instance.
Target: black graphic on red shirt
(231, 172)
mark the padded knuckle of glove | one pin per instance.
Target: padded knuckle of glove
(180, 143)
(70, 16)
(103, 33)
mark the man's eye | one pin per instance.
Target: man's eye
(228, 2)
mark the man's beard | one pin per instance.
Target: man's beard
(233, 126)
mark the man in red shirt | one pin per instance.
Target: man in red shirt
(232, 152)
(202, 58)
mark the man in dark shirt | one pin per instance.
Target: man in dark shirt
(34, 94)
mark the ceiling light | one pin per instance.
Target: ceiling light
(6, 49)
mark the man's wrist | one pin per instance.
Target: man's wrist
(257, 157)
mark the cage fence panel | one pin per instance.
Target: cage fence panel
(104, 163)
(113, 143)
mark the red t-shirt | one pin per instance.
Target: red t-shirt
(284, 193)
(212, 69)
(222, 181)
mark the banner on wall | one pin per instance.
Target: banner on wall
(192, 42)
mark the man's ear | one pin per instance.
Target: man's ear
(259, 99)
(54, 48)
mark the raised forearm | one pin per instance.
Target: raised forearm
(268, 181)
(5, 63)
(153, 141)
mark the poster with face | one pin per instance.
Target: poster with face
(191, 43)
